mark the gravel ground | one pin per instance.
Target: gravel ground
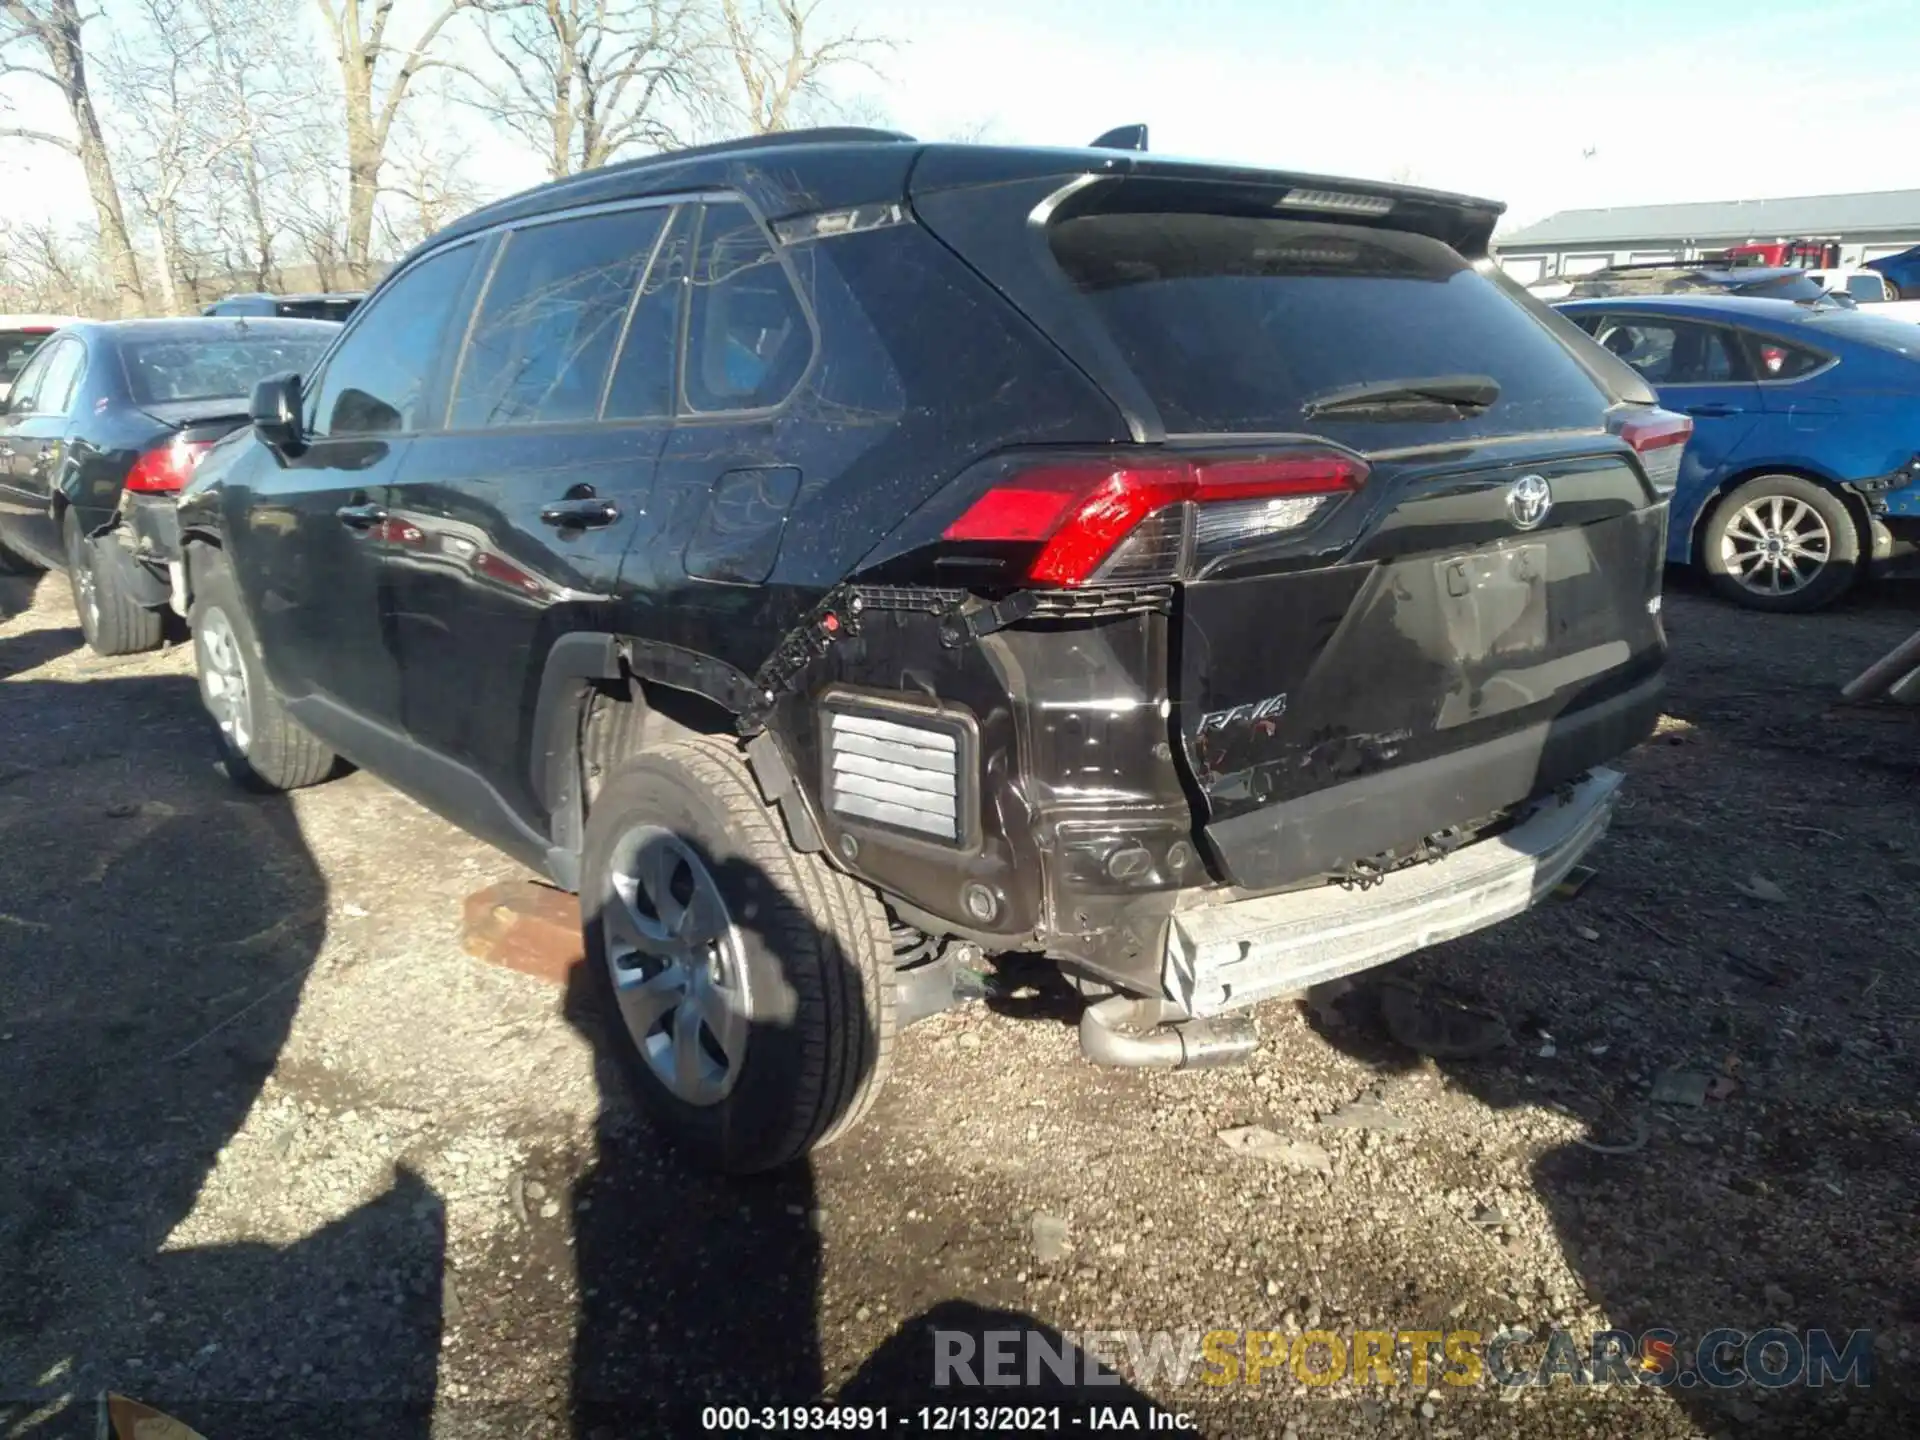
(282, 1160)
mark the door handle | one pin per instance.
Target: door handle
(360, 517)
(585, 513)
(1713, 412)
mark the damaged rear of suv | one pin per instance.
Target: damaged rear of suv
(1214, 581)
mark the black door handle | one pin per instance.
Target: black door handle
(585, 513)
(1713, 412)
(360, 517)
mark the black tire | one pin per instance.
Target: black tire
(111, 619)
(12, 562)
(1734, 529)
(813, 944)
(264, 747)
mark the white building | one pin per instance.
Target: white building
(1577, 242)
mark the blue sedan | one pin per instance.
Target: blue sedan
(1804, 465)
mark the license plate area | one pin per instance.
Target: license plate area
(1495, 602)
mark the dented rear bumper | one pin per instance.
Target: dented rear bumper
(1224, 954)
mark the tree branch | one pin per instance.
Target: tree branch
(59, 141)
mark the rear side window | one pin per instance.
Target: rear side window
(66, 360)
(1673, 352)
(544, 339)
(1236, 324)
(376, 381)
(1775, 359)
(642, 386)
(748, 340)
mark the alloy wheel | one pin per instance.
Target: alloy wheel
(224, 679)
(678, 968)
(1776, 545)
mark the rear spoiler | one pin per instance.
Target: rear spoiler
(1114, 179)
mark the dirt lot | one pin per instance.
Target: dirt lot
(281, 1159)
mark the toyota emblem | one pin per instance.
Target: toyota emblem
(1528, 500)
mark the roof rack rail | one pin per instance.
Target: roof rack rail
(820, 135)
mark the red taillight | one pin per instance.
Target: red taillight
(1082, 511)
(1658, 437)
(166, 467)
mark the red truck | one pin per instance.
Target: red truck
(1801, 254)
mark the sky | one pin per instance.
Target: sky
(1636, 102)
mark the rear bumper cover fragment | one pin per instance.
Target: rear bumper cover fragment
(1319, 833)
(1229, 954)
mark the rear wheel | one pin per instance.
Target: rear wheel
(112, 620)
(265, 748)
(748, 987)
(1782, 542)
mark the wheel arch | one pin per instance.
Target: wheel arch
(603, 697)
(1799, 470)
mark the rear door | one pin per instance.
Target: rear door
(737, 457)
(509, 523)
(36, 432)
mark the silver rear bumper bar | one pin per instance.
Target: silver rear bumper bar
(1228, 954)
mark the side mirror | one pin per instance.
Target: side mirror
(276, 411)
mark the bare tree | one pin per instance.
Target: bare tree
(179, 130)
(47, 34)
(779, 58)
(584, 81)
(374, 93)
(42, 270)
(428, 190)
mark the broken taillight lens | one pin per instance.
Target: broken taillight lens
(168, 467)
(1129, 520)
(1658, 437)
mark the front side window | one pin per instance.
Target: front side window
(544, 340)
(1672, 352)
(375, 383)
(748, 340)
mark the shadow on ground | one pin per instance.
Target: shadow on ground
(699, 1291)
(157, 927)
(1751, 930)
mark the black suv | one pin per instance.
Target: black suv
(842, 559)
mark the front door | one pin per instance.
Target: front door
(314, 527)
(1700, 370)
(510, 523)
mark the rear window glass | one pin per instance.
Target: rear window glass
(1235, 324)
(1881, 331)
(1785, 287)
(159, 371)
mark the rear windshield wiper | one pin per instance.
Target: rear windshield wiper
(1443, 397)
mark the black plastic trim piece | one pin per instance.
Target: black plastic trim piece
(1318, 834)
(445, 786)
